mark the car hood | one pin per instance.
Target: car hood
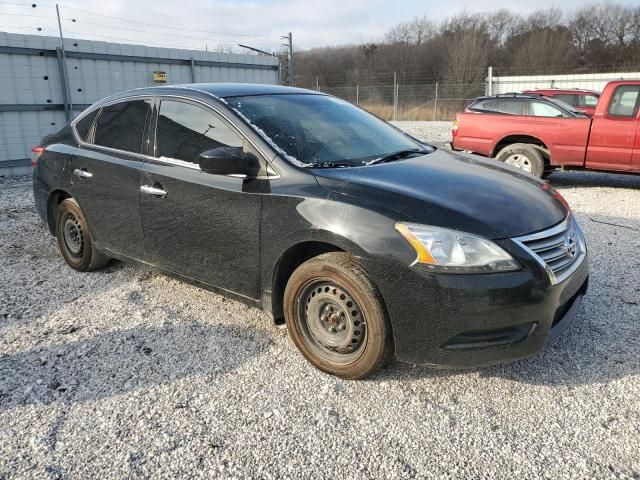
(451, 190)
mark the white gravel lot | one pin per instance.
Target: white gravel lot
(125, 373)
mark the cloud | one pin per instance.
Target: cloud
(256, 22)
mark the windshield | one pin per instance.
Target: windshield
(319, 130)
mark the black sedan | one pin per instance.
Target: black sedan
(366, 242)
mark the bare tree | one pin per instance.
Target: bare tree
(458, 49)
(542, 49)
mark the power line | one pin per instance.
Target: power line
(215, 35)
(139, 42)
(102, 25)
(165, 27)
(27, 15)
(114, 37)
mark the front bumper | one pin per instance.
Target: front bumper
(453, 320)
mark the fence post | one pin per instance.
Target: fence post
(435, 104)
(193, 70)
(397, 100)
(395, 97)
(63, 84)
(489, 89)
(317, 84)
(357, 95)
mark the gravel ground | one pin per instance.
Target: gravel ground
(125, 373)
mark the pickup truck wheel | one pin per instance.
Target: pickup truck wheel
(548, 171)
(524, 156)
(74, 241)
(336, 317)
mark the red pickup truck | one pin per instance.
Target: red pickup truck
(540, 134)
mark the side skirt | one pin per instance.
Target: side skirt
(252, 302)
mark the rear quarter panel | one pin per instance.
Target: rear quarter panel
(566, 138)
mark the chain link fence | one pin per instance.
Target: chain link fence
(427, 101)
(404, 96)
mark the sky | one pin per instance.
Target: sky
(260, 23)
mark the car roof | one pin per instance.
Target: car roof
(241, 89)
(220, 90)
(511, 95)
(561, 90)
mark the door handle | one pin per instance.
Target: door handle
(157, 192)
(82, 173)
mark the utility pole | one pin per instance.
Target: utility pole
(289, 45)
(64, 66)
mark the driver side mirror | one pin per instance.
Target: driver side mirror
(229, 161)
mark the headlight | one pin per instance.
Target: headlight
(455, 252)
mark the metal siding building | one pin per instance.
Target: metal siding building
(587, 81)
(33, 90)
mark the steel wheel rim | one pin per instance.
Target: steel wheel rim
(520, 161)
(72, 235)
(331, 321)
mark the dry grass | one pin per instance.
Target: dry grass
(413, 112)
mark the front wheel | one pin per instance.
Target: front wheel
(336, 317)
(523, 156)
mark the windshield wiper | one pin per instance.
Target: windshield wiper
(331, 165)
(397, 156)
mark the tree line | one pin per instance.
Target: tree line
(458, 50)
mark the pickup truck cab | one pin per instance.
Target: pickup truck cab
(584, 100)
(539, 134)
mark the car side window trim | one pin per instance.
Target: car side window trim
(91, 134)
(272, 172)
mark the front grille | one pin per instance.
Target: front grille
(560, 249)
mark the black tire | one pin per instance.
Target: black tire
(74, 240)
(524, 156)
(336, 317)
(548, 171)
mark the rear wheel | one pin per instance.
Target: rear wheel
(524, 156)
(336, 317)
(74, 240)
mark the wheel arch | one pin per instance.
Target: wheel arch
(55, 198)
(294, 256)
(520, 138)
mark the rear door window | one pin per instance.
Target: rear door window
(625, 101)
(121, 125)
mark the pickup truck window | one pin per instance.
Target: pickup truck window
(511, 106)
(587, 101)
(625, 101)
(543, 109)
